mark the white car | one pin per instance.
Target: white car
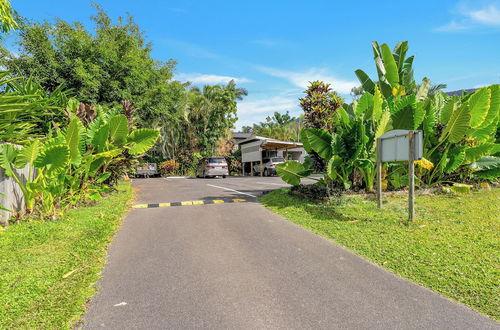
(269, 166)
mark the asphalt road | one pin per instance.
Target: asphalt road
(239, 266)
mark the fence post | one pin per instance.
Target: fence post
(379, 173)
(411, 176)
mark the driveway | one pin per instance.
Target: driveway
(232, 264)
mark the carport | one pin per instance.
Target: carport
(255, 148)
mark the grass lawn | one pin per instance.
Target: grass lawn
(453, 247)
(47, 269)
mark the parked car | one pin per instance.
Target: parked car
(146, 170)
(212, 167)
(269, 166)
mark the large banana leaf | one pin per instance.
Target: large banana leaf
(423, 90)
(448, 109)
(141, 140)
(53, 159)
(383, 124)
(291, 172)
(333, 167)
(366, 82)
(305, 141)
(475, 153)
(479, 103)
(492, 174)
(377, 105)
(486, 163)
(400, 52)
(73, 137)
(485, 133)
(494, 109)
(458, 124)
(456, 158)
(364, 104)
(488, 167)
(390, 65)
(101, 137)
(407, 114)
(8, 155)
(118, 129)
(320, 141)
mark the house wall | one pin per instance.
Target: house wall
(250, 152)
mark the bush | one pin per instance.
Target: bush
(169, 167)
(314, 192)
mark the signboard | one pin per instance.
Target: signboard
(395, 146)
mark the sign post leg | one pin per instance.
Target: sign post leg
(411, 176)
(379, 174)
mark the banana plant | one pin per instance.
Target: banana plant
(394, 70)
(350, 148)
(469, 125)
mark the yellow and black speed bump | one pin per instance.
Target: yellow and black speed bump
(186, 203)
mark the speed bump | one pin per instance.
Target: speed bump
(189, 203)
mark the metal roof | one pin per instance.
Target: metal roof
(272, 144)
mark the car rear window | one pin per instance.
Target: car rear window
(277, 159)
(217, 160)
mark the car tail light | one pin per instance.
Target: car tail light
(273, 165)
(224, 166)
(209, 166)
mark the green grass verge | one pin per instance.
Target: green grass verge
(452, 248)
(48, 269)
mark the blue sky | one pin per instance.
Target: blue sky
(273, 48)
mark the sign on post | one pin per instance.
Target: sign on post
(398, 146)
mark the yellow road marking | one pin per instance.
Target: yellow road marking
(187, 203)
(218, 201)
(198, 202)
(164, 204)
(238, 200)
(140, 206)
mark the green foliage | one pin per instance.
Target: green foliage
(320, 106)
(458, 130)
(279, 126)
(76, 162)
(291, 172)
(141, 140)
(7, 21)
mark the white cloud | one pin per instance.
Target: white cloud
(488, 16)
(268, 105)
(199, 78)
(453, 26)
(469, 18)
(302, 79)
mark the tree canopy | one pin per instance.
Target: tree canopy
(113, 63)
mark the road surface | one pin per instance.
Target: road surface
(236, 265)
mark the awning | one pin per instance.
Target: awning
(279, 145)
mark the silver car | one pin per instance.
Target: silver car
(268, 166)
(212, 167)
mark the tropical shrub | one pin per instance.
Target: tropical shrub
(26, 110)
(460, 132)
(73, 162)
(320, 106)
(314, 192)
(169, 167)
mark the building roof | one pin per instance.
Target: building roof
(241, 135)
(272, 144)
